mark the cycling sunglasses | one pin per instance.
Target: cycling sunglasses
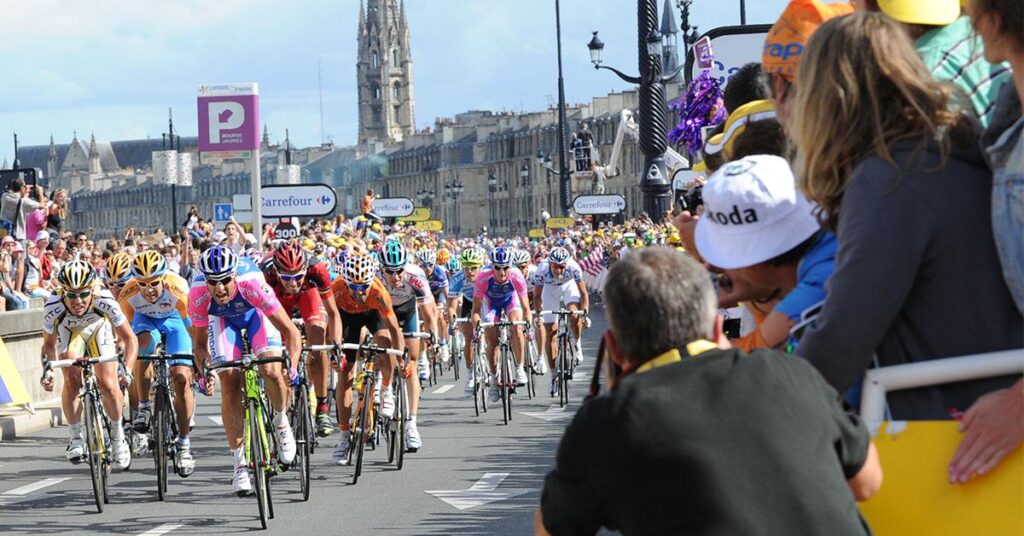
(501, 268)
(83, 294)
(291, 277)
(358, 288)
(219, 281)
(150, 284)
(394, 271)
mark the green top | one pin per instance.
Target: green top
(956, 53)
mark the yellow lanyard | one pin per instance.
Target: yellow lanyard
(672, 356)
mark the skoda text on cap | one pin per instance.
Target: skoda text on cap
(753, 213)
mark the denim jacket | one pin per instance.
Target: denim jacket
(1004, 147)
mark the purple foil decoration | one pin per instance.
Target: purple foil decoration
(701, 106)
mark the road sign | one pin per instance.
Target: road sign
(430, 225)
(418, 214)
(393, 207)
(599, 204)
(222, 212)
(733, 47)
(229, 117)
(286, 200)
(682, 177)
(560, 223)
(536, 233)
(241, 202)
(484, 491)
(286, 230)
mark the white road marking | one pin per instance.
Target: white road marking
(444, 389)
(162, 529)
(484, 491)
(219, 421)
(21, 494)
(553, 413)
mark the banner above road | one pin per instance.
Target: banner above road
(393, 207)
(286, 200)
(599, 204)
(430, 225)
(419, 214)
(560, 223)
(229, 118)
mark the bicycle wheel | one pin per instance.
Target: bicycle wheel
(258, 461)
(456, 354)
(508, 381)
(94, 446)
(564, 373)
(402, 407)
(476, 396)
(531, 386)
(159, 431)
(363, 426)
(303, 436)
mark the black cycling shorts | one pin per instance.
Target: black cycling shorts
(352, 328)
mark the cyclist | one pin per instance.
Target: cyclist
(437, 277)
(303, 286)
(117, 273)
(460, 303)
(410, 295)
(521, 260)
(452, 267)
(560, 280)
(77, 323)
(502, 288)
(228, 296)
(364, 303)
(156, 299)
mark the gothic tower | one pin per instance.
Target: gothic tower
(384, 72)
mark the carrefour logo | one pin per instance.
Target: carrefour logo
(324, 200)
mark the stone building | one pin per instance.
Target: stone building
(384, 73)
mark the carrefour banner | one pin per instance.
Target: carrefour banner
(12, 390)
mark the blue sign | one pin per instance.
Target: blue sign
(222, 212)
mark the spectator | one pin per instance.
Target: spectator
(14, 299)
(45, 254)
(763, 232)
(897, 291)
(35, 221)
(748, 84)
(15, 206)
(951, 49)
(58, 212)
(367, 205)
(786, 43)
(994, 426)
(730, 426)
(35, 285)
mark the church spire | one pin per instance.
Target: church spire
(265, 142)
(93, 152)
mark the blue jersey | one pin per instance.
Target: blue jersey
(460, 286)
(438, 280)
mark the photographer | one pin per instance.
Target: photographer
(15, 206)
(697, 438)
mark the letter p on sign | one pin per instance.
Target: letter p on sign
(225, 115)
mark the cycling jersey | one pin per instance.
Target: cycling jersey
(167, 316)
(308, 301)
(377, 299)
(248, 309)
(460, 285)
(438, 280)
(499, 297)
(413, 286)
(90, 332)
(544, 277)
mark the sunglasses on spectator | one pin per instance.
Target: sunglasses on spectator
(150, 284)
(358, 288)
(83, 294)
(291, 277)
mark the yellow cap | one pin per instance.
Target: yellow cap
(736, 123)
(701, 166)
(927, 12)
(308, 244)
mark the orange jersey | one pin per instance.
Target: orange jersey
(377, 298)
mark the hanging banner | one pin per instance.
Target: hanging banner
(184, 169)
(536, 233)
(418, 214)
(560, 223)
(430, 225)
(165, 167)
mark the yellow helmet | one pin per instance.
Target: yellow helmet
(443, 256)
(119, 267)
(149, 264)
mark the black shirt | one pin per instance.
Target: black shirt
(721, 443)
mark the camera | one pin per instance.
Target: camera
(692, 198)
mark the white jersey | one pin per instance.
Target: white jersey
(414, 285)
(104, 307)
(544, 277)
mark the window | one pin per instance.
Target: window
(395, 92)
(376, 92)
(394, 57)
(375, 62)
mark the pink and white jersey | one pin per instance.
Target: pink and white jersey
(252, 294)
(500, 294)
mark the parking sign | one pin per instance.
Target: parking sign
(229, 117)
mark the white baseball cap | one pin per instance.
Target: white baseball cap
(42, 235)
(753, 213)
(219, 236)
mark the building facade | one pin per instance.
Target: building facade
(384, 76)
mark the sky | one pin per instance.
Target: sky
(114, 67)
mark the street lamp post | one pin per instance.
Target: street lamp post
(564, 181)
(654, 182)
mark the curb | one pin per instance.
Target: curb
(22, 423)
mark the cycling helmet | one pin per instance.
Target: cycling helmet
(501, 256)
(472, 258)
(443, 256)
(394, 255)
(339, 258)
(520, 257)
(359, 269)
(289, 257)
(254, 255)
(149, 264)
(427, 257)
(119, 267)
(76, 275)
(218, 262)
(454, 265)
(559, 255)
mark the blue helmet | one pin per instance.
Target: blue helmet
(501, 256)
(559, 256)
(218, 262)
(339, 258)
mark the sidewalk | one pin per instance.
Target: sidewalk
(17, 422)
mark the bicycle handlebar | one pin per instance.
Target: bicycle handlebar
(320, 348)
(562, 312)
(249, 362)
(371, 349)
(416, 335)
(461, 320)
(507, 323)
(63, 363)
(166, 357)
